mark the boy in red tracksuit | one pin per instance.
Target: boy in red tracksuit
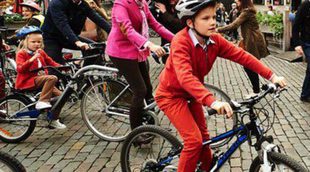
(181, 93)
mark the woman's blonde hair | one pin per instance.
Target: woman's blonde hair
(24, 42)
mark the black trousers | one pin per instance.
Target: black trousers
(254, 79)
(138, 77)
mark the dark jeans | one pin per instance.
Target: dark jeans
(305, 93)
(137, 76)
(254, 78)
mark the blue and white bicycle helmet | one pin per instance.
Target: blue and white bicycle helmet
(188, 8)
(24, 31)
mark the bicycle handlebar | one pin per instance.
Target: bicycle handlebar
(56, 70)
(166, 47)
(267, 89)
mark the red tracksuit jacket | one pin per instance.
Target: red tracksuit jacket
(187, 65)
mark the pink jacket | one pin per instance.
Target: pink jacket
(127, 43)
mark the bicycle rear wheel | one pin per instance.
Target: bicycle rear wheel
(94, 104)
(218, 124)
(279, 162)
(143, 155)
(10, 164)
(15, 129)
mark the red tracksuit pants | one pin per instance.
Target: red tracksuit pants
(189, 120)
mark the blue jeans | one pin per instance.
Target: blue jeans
(305, 93)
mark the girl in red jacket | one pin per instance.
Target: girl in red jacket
(30, 57)
(181, 93)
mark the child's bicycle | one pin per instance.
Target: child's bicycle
(18, 116)
(10, 164)
(161, 149)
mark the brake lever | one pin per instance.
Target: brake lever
(277, 93)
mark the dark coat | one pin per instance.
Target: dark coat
(254, 41)
(65, 20)
(301, 27)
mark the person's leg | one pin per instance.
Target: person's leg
(147, 81)
(47, 82)
(206, 154)
(254, 78)
(182, 118)
(305, 93)
(130, 70)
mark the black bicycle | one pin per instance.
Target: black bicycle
(18, 116)
(8, 163)
(160, 150)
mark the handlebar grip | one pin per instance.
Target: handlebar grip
(36, 70)
(212, 112)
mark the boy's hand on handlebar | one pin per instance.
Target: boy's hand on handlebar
(158, 50)
(82, 45)
(279, 80)
(222, 108)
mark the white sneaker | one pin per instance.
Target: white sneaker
(58, 125)
(43, 105)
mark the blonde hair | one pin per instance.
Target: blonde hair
(24, 42)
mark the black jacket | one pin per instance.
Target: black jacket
(301, 27)
(65, 20)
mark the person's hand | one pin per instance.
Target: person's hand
(158, 50)
(82, 45)
(161, 7)
(6, 46)
(36, 55)
(222, 108)
(299, 50)
(278, 80)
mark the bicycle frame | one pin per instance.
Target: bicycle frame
(242, 137)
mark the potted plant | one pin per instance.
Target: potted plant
(14, 20)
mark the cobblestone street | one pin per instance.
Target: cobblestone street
(77, 149)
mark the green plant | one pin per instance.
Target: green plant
(275, 22)
(10, 18)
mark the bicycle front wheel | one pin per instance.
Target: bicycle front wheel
(109, 127)
(218, 124)
(10, 164)
(278, 162)
(14, 129)
(145, 146)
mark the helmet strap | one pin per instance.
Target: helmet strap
(199, 34)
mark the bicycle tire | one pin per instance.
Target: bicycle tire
(216, 120)
(8, 163)
(278, 158)
(151, 130)
(9, 133)
(96, 118)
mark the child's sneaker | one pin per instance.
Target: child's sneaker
(43, 105)
(56, 124)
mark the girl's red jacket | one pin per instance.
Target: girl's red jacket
(183, 75)
(25, 78)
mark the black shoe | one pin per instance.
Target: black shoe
(305, 99)
(143, 140)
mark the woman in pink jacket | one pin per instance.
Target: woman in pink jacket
(128, 47)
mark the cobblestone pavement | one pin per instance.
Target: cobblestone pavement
(77, 149)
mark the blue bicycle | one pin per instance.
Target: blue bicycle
(160, 150)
